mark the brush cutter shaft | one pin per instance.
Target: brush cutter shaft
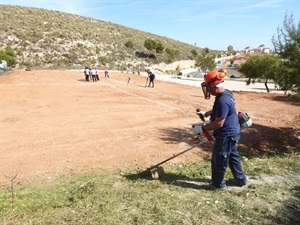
(174, 156)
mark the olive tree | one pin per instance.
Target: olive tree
(205, 61)
(261, 67)
(230, 49)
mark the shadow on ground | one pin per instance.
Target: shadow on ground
(173, 179)
(290, 211)
(177, 135)
(262, 140)
(183, 181)
(258, 140)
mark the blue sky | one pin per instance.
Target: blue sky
(214, 24)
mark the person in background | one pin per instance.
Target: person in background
(151, 78)
(93, 73)
(87, 73)
(97, 75)
(129, 81)
(106, 74)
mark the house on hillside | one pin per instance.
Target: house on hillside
(248, 50)
(262, 49)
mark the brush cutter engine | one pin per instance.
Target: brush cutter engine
(244, 120)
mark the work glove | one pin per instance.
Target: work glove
(201, 114)
(198, 130)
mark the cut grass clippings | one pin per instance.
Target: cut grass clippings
(180, 197)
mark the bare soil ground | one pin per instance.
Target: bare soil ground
(53, 122)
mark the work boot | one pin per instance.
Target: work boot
(214, 188)
(240, 183)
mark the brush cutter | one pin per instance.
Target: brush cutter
(157, 170)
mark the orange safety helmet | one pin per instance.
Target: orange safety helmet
(214, 77)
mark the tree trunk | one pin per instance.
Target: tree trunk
(266, 84)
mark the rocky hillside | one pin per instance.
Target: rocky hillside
(52, 39)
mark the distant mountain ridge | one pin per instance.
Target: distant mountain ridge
(44, 38)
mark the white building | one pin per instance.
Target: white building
(262, 49)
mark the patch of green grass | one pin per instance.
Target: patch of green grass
(179, 197)
(279, 165)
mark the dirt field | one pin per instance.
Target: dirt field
(53, 122)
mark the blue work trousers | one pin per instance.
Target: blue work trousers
(225, 154)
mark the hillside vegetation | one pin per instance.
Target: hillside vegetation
(45, 38)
